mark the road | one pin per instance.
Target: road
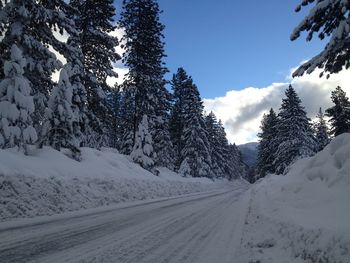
(201, 228)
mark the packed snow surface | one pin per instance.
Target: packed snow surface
(202, 227)
(49, 182)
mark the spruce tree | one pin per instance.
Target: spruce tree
(327, 19)
(321, 131)
(144, 53)
(16, 104)
(113, 104)
(294, 133)
(94, 20)
(30, 25)
(340, 113)
(143, 152)
(75, 71)
(127, 111)
(237, 167)
(231, 159)
(61, 121)
(181, 82)
(215, 146)
(196, 153)
(267, 144)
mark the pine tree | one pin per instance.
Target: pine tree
(181, 82)
(196, 153)
(30, 25)
(231, 159)
(127, 110)
(113, 104)
(94, 21)
(295, 137)
(75, 71)
(163, 146)
(16, 104)
(58, 130)
(267, 144)
(332, 18)
(215, 146)
(340, 113)
(321, 131)
(143, 152)
(237, 167)
(143, 56)
(226, 161)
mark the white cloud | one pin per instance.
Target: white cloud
(241, 110)
(118, 67)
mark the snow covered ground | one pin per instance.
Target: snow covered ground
(302, 217)
(305, 215)
(48, 182)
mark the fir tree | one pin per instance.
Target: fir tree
(113, 104)
(127, 110)
(327, 19)
(267, 144)
(196, 153)
(163, 146)
(295, 137)
(237, 167)
(181, 82)
(58, 130)
(143, 152)
(340, 113)
(215, 146)
(75, 71)
(143, 56)
(321, 131)
(30, 25)
(16, 104)
(94, 21)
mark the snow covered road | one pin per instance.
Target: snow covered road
(205, 227)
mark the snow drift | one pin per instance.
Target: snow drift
(49, 182)
(305, 214)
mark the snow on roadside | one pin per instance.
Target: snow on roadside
(48, 182)
(303, 216)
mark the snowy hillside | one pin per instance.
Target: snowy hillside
(48, 182)
(303, 216)
(249, 153)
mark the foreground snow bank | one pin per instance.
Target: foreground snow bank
(303, 216)
(48, 182)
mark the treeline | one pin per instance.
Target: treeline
(140, 118)
(289, 135)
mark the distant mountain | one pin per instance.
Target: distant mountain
(249, 153)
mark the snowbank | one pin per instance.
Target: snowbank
(303, 216)
(48, 182)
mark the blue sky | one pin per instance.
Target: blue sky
(230, 45)
(240, 57)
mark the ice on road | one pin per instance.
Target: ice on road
(201, 228)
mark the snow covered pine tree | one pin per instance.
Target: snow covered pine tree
(333, 18)
(143, 152)
(196, 153)
(16, 104)
(340, 113)
(321, 131)
(267, 144)
(94, 21)
(144, 52)
(58, 130)
(295, 137)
